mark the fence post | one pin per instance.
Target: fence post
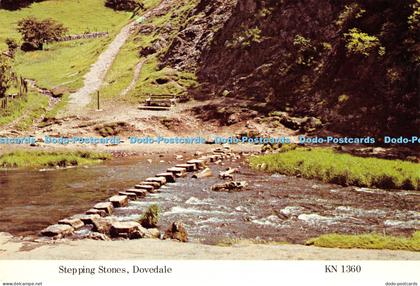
(98, 99)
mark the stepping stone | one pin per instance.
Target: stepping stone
(57, 230)
(73, 222)
(105, 206)
(101, 213)
(160, 180)
(137, 192)
(170, 177)
(199, 164)
(145, 187)
(178, 172)
(206, 159)
(130, 195)
(123, 229)
(219, 151)
(101, 225)
(119, 201)
(155, 185)
(86, 218)
(188, 167)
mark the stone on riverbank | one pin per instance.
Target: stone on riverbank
(105, 206)
(73, 222)
(119, 201)
(57, 230)
(176, 231)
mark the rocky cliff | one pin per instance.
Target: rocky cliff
(354, 64)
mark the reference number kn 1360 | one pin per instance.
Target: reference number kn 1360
(342, 268)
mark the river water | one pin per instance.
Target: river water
(271, 208)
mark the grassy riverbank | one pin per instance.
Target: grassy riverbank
(368, 241)
(329, 166)
(34, 159)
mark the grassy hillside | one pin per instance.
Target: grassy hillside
(59, 64)
(77, 16)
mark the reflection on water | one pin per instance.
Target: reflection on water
(31, 200)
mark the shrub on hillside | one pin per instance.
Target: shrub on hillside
(35, 32)
(6, 74)
(124, 5)
(11, 46)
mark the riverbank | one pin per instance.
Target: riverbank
(11, 248)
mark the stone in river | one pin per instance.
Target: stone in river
(98, 212)
(57, 230)
(178, 172)
(124, 229)
(130, 195)
(176, 231)
(155, 185)
(106, 206)
(73, 222)
(87, 218)
(188, 167)
(170, 177)
(160, 180)
(137, 192)
(119, 201)
(145, 187)
(199, 164)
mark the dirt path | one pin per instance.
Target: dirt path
(136, 76)
(157, 249)
(94, 78)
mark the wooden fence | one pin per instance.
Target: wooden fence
(22, 85)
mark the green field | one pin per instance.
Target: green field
(35, 159)
(329, 166)
(368, 241)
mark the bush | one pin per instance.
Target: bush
(6, 74)
(150, 218)
(11, 46)
(37, 32)
(124, 5)
(16, 4)
(361, 43)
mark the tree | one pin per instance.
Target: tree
(124, 5)
(16, 4)
(37, 32)
(6, 75)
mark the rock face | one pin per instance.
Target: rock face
(289, 55)
(233, 186)
(57, 230)
(176, 231)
